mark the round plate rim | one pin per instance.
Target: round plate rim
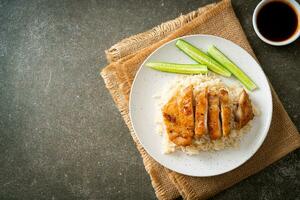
(269, 119)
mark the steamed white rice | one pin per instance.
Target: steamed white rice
(204, 143)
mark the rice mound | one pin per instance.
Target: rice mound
(204, 143)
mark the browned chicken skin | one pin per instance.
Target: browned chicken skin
(244, 112)
(178, 117)
(213, 115)
(201, 110)
(225, 112)
(214, 125)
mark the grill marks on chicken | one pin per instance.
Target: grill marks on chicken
(213, 114)
(226, 114)
(244, 112)
(214, 124)
(178, 115)
(201, 110)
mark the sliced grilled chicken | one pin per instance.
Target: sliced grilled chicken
(178, 117)
(225, 112)
(201, 110)
(214, 125)
(244, 112)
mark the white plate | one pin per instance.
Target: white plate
(142, 107)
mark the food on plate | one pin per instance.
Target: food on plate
(178, 117)
(201, 110)
(244, 112)
(178, 68)
(202, 58)
(230, 66)
(201, 113)
(226, 113)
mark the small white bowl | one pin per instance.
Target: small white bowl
(292, 3)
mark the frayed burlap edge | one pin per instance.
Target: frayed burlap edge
(161, 183)
(142, 40)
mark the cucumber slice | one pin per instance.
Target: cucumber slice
(199, 56)
(230, 66)
(178, 68)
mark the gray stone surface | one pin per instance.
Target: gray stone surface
(61, 137)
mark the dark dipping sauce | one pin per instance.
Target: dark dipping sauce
(277, 21)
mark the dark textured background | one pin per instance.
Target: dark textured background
(61, 136)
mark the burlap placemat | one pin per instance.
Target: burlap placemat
(215, 19)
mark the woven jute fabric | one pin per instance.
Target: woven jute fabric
(126, 56)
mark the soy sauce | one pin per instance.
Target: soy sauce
(277, 21)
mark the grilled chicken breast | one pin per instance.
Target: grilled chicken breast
(213, 115)
(244, 112)
(178, 117)
(214, 125)
(201, 110)
(225, 112)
